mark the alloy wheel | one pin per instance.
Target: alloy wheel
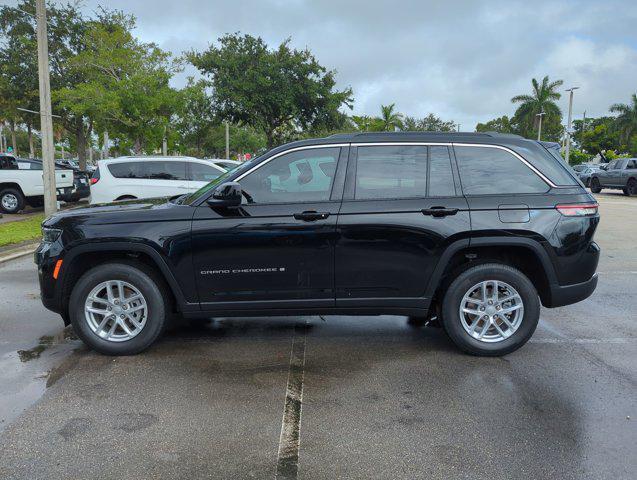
(491, 311)
(116, 311)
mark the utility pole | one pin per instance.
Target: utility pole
(458, 127)
(227, 141)
(539, 127)
(105, 147)
(584, 122)
(46, 120)
(568, 125)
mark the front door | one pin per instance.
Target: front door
(277, 249)
(402, 207)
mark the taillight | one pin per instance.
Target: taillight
(96, 176)
(578, 209)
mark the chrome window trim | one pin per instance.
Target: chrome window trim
(296, 149)
(455, 144)
(389, 144)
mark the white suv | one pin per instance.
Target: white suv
(128, 178)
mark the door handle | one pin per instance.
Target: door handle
(311, 216)
(439, 211)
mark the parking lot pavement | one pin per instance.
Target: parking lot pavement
(381, 397)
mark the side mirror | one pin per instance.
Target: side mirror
(227, 194)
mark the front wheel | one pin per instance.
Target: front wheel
(596, 187)
(119, 308)
(490, 310)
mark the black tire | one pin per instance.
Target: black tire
(463, 282)
(595, 185)
(146, 281)
(631, 187)
(11, 196)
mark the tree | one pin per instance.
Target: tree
(626, 120)
(126, 89)
(429, 123)
(541, 100)
(273, 91)
(390, 120)
(196, 115)
(501, 125)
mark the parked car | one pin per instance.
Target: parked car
(21, 183)
(75, 165)
(618, 174)
(476, 230)
(130, 178)
(225, 164)
(80, 189)
(584, 174)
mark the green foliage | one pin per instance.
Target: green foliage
(626, 120)
(576, 157)
(542, 100)
(500, 125)
(20, 231)
(276, 91)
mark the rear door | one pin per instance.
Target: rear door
(402, 207)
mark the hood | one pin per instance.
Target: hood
(116, 212)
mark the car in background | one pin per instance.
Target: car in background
(130, 178)
(81, 180)
(619, 174)
(21, 183)
(585, 173)
(225, 164)
(75, 165)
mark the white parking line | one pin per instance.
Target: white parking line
(289, 441)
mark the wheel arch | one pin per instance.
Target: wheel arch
(525, 254)
(82, 258)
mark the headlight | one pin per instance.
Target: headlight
(50, 235)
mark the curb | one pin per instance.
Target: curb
(14, 253)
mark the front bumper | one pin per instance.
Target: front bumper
(45, 257)
(567, 294)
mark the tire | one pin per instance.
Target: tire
(139, 278)
(631, 187)
(11, 200)
(526, 318)
(587, 183)
(595, 185)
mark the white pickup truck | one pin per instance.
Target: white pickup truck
(21, 182)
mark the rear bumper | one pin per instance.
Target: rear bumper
(567, 294)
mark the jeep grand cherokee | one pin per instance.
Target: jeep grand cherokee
(474, 229)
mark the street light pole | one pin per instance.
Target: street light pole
(539, 128)
(46, 120)
(568, 125)
(227, 141)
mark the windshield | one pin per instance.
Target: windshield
(218, 181)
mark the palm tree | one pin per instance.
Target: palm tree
(390, 120)
(627, 119)
(541, 101)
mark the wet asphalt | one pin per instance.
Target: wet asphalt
(382, 397)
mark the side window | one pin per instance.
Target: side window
(302, 176)
(125, 170)
(612, 165)
(8, 163)
(487, 171)
(391, 172)
(200, 172)
(632, 164)
(440, 175)
(167, 170)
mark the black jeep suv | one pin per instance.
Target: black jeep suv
(473, 229)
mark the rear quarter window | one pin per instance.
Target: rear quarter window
(493, 171)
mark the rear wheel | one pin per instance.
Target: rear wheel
(119, 308)
(11, 200)
(490, 310)
(631, 187)
(596, 187)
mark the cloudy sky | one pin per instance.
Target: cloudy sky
(462, 60)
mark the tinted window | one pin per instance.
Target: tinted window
(485, 171)
(391, 172)
(303, 176)
(440, 176)
(200, 172)
(8, 163)
(149, 169)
